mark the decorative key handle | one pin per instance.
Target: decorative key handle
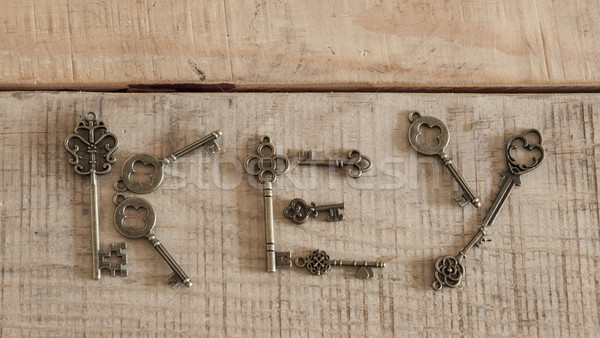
(356, 163)
(156, 177)
(318, 263)
(92, 147)
(449, 270)
(468, 196)
(146, 229)
(299, 211)
(266, 165)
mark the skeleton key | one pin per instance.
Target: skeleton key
(468, 196)
(299, 211)
(356, 162)
(209, 142)
(147, 230)
(318, 263)
(99, 145)
(449, 270)
(265, 165)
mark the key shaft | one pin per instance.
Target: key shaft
(368, 264)
(95, 225)
(269, 226)
(179, 275)
(208, 141)
(509, 181)
(328, 207)
(468, 195)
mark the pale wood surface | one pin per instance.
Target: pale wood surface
(539, 275)
(348, 45)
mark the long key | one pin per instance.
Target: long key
(355, 164)
(156, 177)
(318, 263)
(147, 230)
(265, 165)
(468, 196)
(299, 211)
(99, 145)
(449, 270)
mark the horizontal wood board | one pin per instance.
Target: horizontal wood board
(415, 45)
(538, 277)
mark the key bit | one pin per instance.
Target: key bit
(118, 267)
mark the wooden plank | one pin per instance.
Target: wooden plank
(307, 45)
(539, 275)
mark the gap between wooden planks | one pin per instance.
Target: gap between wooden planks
(539, 275)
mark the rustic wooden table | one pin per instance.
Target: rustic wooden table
(538, 277)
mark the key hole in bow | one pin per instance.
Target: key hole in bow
(135, 218)
(429, 135)
(523, 155)
(142, 173)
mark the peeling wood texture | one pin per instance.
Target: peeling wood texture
(538, 277)
(301, 45)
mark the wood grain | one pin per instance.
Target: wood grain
(538, 277)
(307, 45)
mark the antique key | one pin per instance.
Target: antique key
(265, 165)
(299, 211)
(209, 142)
(449, 270)
(147, 230)
(318, 263)
(356, 163)
(97, 146)
(468, 196)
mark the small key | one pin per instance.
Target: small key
(299, 211)
(266, 165)
(468, 196)
(318, 263)
(356, 163)
(147, 230)
(209, 142)
(449, 270)
(92, 147)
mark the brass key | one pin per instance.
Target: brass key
(318, 263)
(147, 230)
(355, 164)
(299, 211)
(265, 165)
(92, 147)
(468, 196)
(156, 177)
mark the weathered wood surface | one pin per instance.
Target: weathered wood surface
(348, 45)
(539, 275)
